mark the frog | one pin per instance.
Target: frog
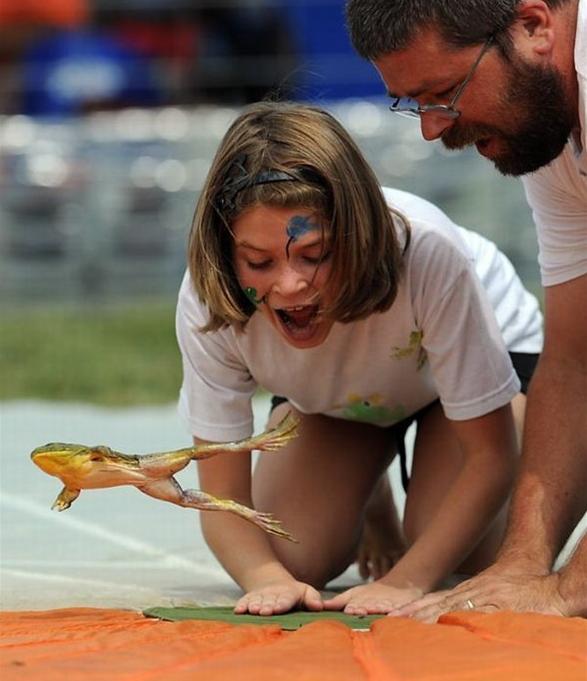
(94, 467)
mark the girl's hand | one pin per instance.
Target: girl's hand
(278, 598)
(372, 599)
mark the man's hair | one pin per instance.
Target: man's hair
(332, 179)
(377, 27)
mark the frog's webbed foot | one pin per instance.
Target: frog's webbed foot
(170, 490)
(65, 499)
(271, 439)
(275, 438)
(206, 502)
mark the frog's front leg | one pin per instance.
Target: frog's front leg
(65, 499)
(170, 490)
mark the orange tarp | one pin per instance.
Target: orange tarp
(95, 644)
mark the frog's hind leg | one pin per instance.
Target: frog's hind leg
(206, 502)
(271, 439)
(170, 490)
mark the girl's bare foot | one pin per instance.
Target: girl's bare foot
(382, 542)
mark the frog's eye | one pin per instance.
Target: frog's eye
(100, 452)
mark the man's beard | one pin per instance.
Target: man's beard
(536, 96)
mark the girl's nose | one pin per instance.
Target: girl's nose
(432, 126)
(290, 282)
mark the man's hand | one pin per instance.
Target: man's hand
(490, 591)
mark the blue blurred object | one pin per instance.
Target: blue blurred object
(330, 68)
(71, 72)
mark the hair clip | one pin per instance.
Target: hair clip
(238, 179)
(234, 181)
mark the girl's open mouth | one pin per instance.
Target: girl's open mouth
(300, 321)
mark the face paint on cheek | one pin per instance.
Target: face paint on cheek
(251, 294)
(297, 227)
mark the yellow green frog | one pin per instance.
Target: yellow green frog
(81, 467)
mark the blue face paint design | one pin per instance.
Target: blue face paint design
(297, 227)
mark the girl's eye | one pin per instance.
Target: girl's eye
(258, 265)
(318, 259)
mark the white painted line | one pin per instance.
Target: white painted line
(77, 564)
(93, 529)
(64, 579)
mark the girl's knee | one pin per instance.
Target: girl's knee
(315, 571)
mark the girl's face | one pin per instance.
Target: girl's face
(282, 258)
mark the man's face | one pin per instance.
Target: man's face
(515, 113)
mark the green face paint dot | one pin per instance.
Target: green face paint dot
(251, 294)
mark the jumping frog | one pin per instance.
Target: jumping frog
(80, 467)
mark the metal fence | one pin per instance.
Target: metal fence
(99, 207)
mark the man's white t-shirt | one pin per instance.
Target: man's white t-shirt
(557, 193)
(460, 307)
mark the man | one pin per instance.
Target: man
(510, 77)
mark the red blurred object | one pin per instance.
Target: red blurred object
(59, 13)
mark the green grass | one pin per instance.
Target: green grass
(122, 356)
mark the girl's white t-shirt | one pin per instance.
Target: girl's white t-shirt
(460, 308)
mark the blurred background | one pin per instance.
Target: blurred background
(110, 112)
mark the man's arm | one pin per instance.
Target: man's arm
(550, 496)
(571, 583)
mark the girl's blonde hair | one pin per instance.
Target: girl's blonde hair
(333, 179)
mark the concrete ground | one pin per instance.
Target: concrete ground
(114, 548)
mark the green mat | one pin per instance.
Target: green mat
(289, 621)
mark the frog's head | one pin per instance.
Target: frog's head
(64, 460)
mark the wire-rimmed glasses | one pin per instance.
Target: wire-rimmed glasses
(406, 106)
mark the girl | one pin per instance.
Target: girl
(364, 309)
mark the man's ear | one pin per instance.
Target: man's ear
(534, 29)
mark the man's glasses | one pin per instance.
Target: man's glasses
(406, 106)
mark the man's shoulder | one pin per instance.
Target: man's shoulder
(565, 176)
